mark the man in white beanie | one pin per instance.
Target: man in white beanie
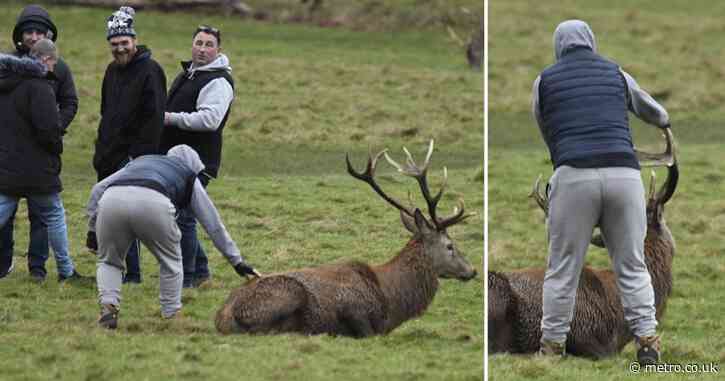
(133, 100)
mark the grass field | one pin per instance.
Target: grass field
(675, 51)
(304, 97)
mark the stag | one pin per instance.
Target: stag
(354, 298)
(598, 328)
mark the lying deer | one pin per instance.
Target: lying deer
(357, 299)
(598, 328)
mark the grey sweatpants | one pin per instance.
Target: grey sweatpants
(580, 199)
(126, 213)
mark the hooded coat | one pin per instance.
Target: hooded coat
(581, 104)
(198, 107)
(132, 112)
(30, 137)
(63, 85)
(175, 176)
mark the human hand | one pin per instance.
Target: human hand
(245, 270)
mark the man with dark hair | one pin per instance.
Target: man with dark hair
(132, 109)
(581, 105)
(151, 189)
(196, 112)
(33, 24)
(31, 144)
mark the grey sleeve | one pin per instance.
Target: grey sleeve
(211, 105)
(96, 194)
(536, 107)
(208, 216)
(643, 105)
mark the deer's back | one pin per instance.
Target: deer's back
(598, 327)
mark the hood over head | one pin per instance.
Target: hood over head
(36, 16)
(14, 69)
(188, 156)
(572, 34)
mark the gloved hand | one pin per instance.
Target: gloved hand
(245, 270)
(91, 241)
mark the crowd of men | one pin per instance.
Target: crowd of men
(155, 154)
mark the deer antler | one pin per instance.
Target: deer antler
(541, 198)
(369, 177)
(420, 174)
(666, 158)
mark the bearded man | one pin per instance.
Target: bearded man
(133, 100)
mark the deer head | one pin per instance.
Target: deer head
(447, 261)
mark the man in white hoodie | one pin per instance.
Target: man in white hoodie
(197, 108)
(581, 105)
(151, 189)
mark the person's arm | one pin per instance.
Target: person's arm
(643, 105)
(96, 193)
(66, 98)
(208, 216)
(536, 107)
(151, 115)
(211, 105)
(44, 117)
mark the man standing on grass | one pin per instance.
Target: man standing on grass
(196, 112)
(132, 109)
(151, 189)
(33, 24)
(30, 146)
(580, 104)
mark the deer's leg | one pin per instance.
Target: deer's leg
(270, 305)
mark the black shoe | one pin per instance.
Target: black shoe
(76, 278)
(199, 280)
(648, 350)
(37, 275)
(132, 279)
(5, 273)
(109, 316)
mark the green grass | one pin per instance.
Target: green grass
(304, 97)
(666, 46)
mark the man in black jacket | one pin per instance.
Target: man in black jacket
(132, 109)
(30, 148)
(33, 24)
(196, 112)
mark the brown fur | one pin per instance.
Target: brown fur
(598, 328)
(351, 299)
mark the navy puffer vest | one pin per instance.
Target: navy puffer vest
(166, 175)
(583, 100)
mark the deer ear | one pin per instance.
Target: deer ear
(422, 224)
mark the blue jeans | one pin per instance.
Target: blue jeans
(38, 246)
(49, 209)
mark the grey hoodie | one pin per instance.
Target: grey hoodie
(203, 208)
(576, 33)
(212, 103)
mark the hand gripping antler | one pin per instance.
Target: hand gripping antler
(420, 174)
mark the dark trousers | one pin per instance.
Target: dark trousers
(196, 264)
(37, 247)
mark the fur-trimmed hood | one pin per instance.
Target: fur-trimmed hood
(14, 69)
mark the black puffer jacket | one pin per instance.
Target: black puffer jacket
(30, 138)
(133, 100)
(63, 85)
